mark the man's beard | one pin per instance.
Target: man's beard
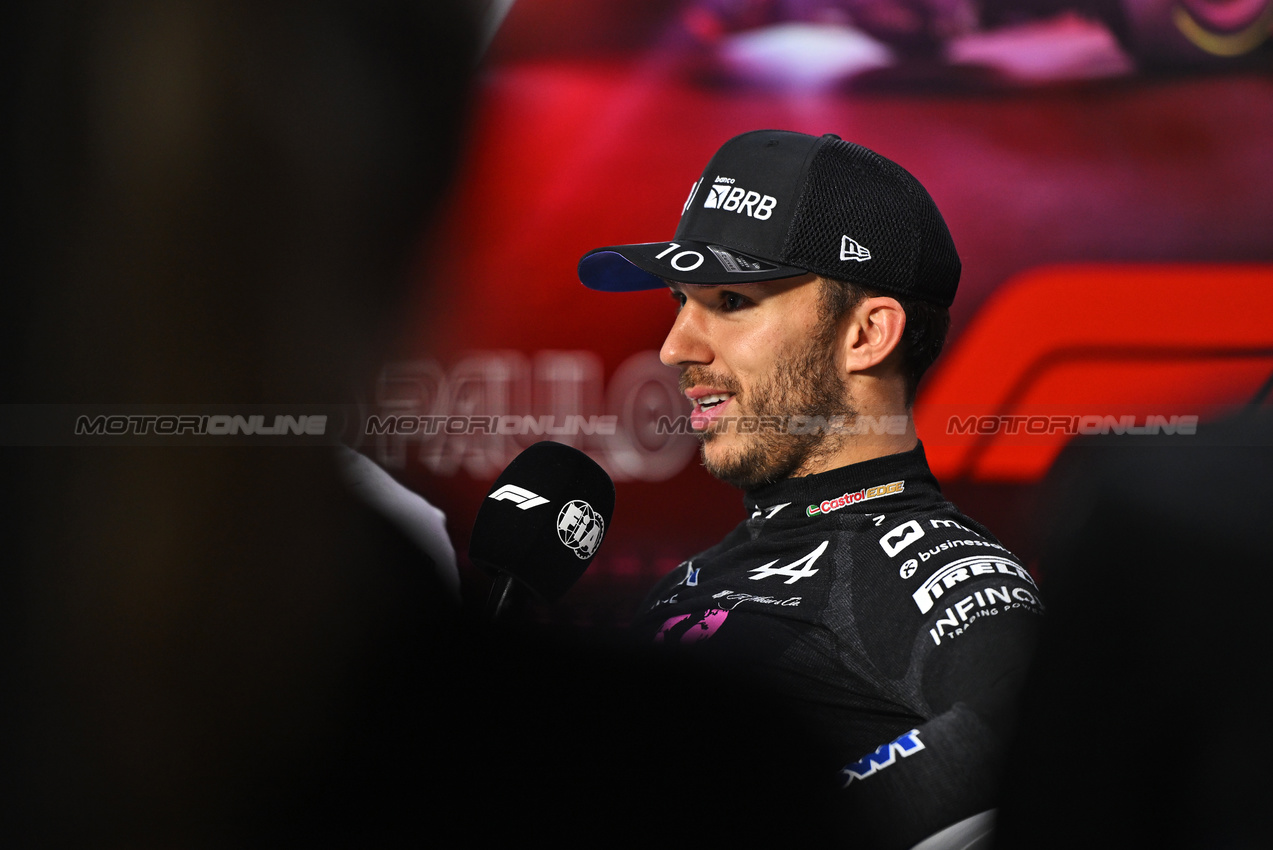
(805, 383)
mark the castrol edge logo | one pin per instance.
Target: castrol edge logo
(863, 495)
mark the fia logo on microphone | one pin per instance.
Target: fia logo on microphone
(580, 527)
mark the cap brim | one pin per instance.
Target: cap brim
(629, 268)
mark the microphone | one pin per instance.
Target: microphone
(541, 523)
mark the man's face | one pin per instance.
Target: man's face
(764, 352)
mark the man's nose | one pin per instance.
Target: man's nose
(686, 342)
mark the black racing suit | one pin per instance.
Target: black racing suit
(898, 627)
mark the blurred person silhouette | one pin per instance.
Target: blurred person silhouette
(217, 203)
(1140, 718)
(220, 203)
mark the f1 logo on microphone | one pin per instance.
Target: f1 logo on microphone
(524, 499)
(901, 537)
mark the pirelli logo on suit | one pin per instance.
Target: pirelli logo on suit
(960, 571)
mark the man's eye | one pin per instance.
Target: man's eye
(679, 298)
(731, 301)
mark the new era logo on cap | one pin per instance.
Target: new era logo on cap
(850, 250)
(773, 204)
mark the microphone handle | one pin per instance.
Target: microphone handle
(504, 596)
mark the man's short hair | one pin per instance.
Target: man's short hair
(926, 325)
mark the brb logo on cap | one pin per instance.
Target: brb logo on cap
(724, 195)
(580, 527)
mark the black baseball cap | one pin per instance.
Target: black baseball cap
(773, 204)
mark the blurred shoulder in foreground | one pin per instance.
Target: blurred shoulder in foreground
(1139, 726)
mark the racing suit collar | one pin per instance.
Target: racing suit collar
(910, 467)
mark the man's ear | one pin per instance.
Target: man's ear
(872, 332)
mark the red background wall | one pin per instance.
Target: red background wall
(1113, 223)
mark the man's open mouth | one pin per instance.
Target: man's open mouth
(707, 408)
(710, 401)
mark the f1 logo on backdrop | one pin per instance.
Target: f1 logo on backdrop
(1168, 361)
(524, 499)
(901, 537)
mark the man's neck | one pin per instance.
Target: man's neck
(855, 448)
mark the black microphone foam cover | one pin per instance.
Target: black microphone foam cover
(544, 518)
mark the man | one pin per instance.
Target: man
(813, 278)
